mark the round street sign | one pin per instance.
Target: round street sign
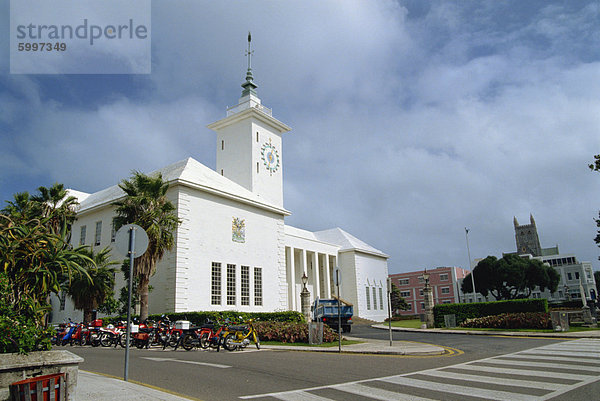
(140, 242)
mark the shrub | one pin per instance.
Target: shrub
(480, 309)
(198, 318)
(525, 320)
(290, 332)
(20, 332)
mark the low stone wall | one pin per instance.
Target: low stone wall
(16, 367)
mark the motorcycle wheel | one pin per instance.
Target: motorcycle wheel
(229, 342)
(140, 344)
(204, 341)
(173, 340)
(106, 340)
(188, 342)
(83, 341)
(123, 340)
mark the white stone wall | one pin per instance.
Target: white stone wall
(239, 158)
(371, 272)
(206, 237)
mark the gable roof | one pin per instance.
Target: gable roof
(347, 242)
(191, 173)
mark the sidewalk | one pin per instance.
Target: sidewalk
(92, 386)
(577, 334)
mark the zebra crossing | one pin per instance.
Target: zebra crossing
(534, 374)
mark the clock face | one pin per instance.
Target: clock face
(270, 157)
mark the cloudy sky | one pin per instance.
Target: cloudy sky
(411, 119)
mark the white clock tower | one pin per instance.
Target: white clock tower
(249, 140)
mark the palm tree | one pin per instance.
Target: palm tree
(21, 208)
(36, 261)
(55, 204)
(88, 292)
(147, 205)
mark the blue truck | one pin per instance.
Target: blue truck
(326, 311)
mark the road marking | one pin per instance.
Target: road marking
(300, 396)
(212, 365)
(377, 393)
(457, 389)
(462, 379)
(551, 358)
(518, 372)
(495, 380)
(545, 365)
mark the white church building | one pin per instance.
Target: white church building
(233, 250)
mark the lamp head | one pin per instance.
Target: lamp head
(304, 278)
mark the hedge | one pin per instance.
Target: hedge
(482, 309)
(199, 318)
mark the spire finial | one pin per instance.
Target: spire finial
(249, 52)
(249, 86)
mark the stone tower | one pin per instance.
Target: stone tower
(249, 143)
(527, 239)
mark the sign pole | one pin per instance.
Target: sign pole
(389, 285)
(128, 331)
(337, 272)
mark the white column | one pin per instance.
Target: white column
(327, 277)
(291, 264)
(317, 285)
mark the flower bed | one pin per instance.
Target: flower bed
(525, 320)
(290, 332)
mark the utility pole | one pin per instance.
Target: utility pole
(470, 266)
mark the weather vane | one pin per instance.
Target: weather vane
(249, 52)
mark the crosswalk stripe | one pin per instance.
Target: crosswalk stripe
(462, 390)
(549, 358)
(545, 365)
(519, 372)
(590, 355)
(377, 393)
(299, 396)
(495, 380)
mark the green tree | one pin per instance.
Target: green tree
(36, 261)
(91, 290)
(511, 277)
(56, 205)
(397, 302)
(146, 204)
(20, 208)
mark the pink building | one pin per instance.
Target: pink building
(445, 282)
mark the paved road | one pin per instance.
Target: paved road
(556, 371)
(208, 375)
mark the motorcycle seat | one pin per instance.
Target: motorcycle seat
(238, 328)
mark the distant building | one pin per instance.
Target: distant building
(445, 282)
(575, 276)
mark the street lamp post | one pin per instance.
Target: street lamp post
(470, 265)
(305, 298)
(428, 294)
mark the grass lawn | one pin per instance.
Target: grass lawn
(333, 344)
(410, 324)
